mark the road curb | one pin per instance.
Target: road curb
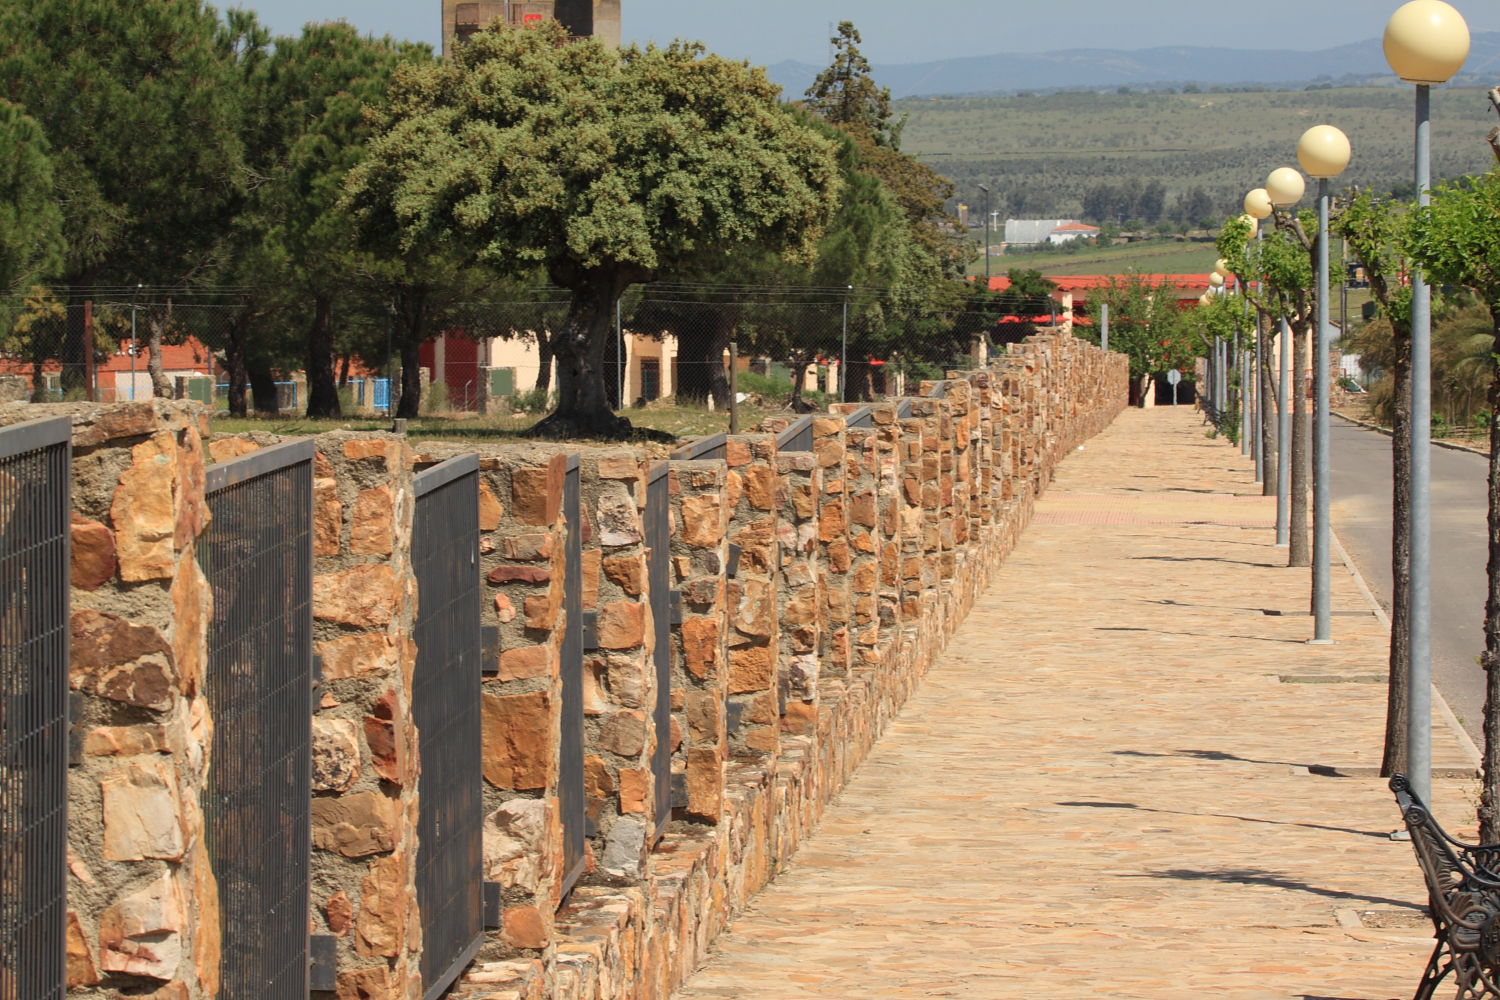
(1387, 432)
(1465, 741)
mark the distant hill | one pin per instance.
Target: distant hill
(1042, 156)
(1015, 72)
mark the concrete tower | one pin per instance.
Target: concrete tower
(599, 18)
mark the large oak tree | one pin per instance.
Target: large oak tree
(604, 167)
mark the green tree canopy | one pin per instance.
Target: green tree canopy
(311, 132)
(605, 167)
(1456, 240)
(31, 244)
(139, 108)
(1147, 327)
(138, 104)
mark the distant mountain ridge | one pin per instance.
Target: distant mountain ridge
(1011, 72)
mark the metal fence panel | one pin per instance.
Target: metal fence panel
(710, 447)
(257, 555)
(35, 501)
(445, 708)
(570, 791)
(797, 437)
(659, 582)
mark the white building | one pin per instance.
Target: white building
(1069, 231)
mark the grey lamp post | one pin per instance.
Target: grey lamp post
(1258, 206)
(1323, 152)
(1426, 42)
(1284, 439)
(986, 191)
(1284, 188)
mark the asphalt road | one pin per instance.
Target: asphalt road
(1361, 498)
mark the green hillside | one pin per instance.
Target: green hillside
(1150, 256)
(1041, 154)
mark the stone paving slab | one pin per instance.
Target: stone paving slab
(1116, 781)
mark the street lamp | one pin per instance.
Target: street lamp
(1323, 151)
(986, 191)
(1285, 187)
(1221, 356)
(1426, 42)
(1242, 369)
(1257, 206)
(1258, 203)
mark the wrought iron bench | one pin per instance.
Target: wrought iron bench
(1463, 891)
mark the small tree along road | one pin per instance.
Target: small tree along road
(604, 167)
(1374, 231)
(1457, 241)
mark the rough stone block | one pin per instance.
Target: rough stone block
(119, 660)
(335, 754)
(364, 596)
(93, 559)
(517, 740)
(622, 625)
(357, 825)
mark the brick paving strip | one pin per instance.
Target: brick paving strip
(1123, 779)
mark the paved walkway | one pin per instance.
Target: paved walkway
(1116, 782)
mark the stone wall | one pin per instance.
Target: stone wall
(811, 591)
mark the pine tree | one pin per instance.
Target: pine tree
(845, 94)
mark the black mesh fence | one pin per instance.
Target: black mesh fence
(34, 511)
(570, 780)
(257, 555)
(445, 708)
(658, 521)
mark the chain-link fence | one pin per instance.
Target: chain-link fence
(786, 348)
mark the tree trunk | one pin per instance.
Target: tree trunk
(75, 341)
(262, 387)
(860, 381)
(1489, 799)
(582, 404)
(544, 341)
(614, 372)
(799, 372)
(1399, 681)
(1300, 554)
(156, 321)
(344, 372)
(718, 345)
(411, 317)
(410, 403)
(1268, 417)
(322, 391)
(234, 364)
(700, 359)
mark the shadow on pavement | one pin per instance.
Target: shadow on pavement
(1379, 835)
(1256, 876)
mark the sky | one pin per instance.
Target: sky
(907, 31)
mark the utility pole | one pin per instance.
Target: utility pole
(844, 350)
(986, 191)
